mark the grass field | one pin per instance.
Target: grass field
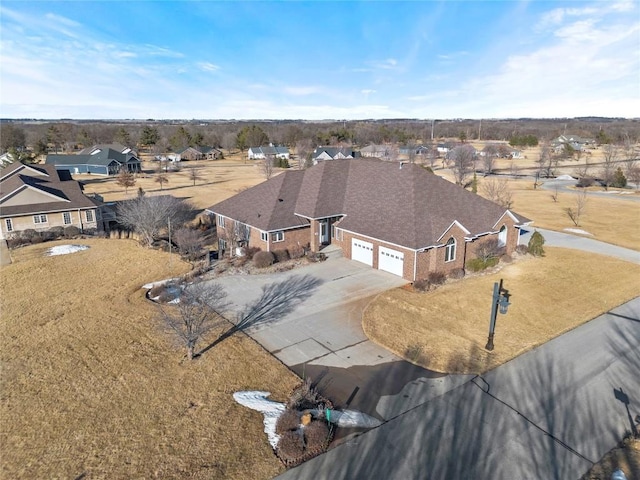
(219, 180)
(446, 330)
(611, 220)
(92, 388)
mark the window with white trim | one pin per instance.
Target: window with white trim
(222, 244)
(37, 219)
(502, 236)
(9, 224)
(450, 250)
(66, 218)
(221, 221)
(89, 215)
(277, 236)
(264, 236)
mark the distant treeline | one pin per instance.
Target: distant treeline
(42, 136)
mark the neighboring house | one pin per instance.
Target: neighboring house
(260, 153)
(197, 153)
(575, 141)
(377, 151)
(413, 150)
(516, 154)
(444, 148)
(106, 146)
(397, 218)
(100, 161)
(40, 197)
(321, 154)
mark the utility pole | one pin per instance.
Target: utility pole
(480, 130)
(432, 125)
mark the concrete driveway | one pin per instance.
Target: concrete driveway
(320, 322)
(311, 319)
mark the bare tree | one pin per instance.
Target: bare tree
(514, 169)
(190, 243)
(633, 174)
(267, 166)
(125, 179)
(194, 174)
(411, 153)
(488, 161)
(240, 234)
(462, 161)
(229, 140)
(161, 178)
(575, 212)
(149, 216)
(497, 190)
(609, 159)
(197, 312)
(304, 147)
(546, 161)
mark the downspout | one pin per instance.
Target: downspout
(415, 264)
(80, 219)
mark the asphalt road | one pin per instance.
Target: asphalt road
(548, 414)
(563, 186)
(577, 242)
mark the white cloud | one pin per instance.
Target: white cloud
(208, 66)
(59, 19)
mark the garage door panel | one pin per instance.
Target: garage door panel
(391, 261)
(362, 251)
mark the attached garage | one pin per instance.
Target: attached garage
(391, 261)
(362, 251)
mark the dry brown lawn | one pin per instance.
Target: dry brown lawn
(92, 388)
(220, 179)
(446, 330)
(611, 220)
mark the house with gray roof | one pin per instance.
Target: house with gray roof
(40, 197)
(260, 153)
(320, 154)
(100, 161)
(394, 217)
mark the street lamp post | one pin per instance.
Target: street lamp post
(499, 303)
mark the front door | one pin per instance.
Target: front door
(324, 232)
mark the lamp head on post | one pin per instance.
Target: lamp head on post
(504, 303)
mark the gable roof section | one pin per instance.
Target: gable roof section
(106, 146)
(20, 168)
(57, 194)
(268, 206)
(403, 205)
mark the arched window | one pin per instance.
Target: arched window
(502, 236)
(450, 250)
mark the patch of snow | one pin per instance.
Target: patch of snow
(66, 249)
(271, 410)
(257, 400)
(565, 177)
(577, 230)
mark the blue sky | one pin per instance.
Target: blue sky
(319, 59)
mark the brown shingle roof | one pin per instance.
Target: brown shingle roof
(269, 205)
(68, 191)
(405, 206)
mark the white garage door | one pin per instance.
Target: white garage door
(391, 261)
(362, 251)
